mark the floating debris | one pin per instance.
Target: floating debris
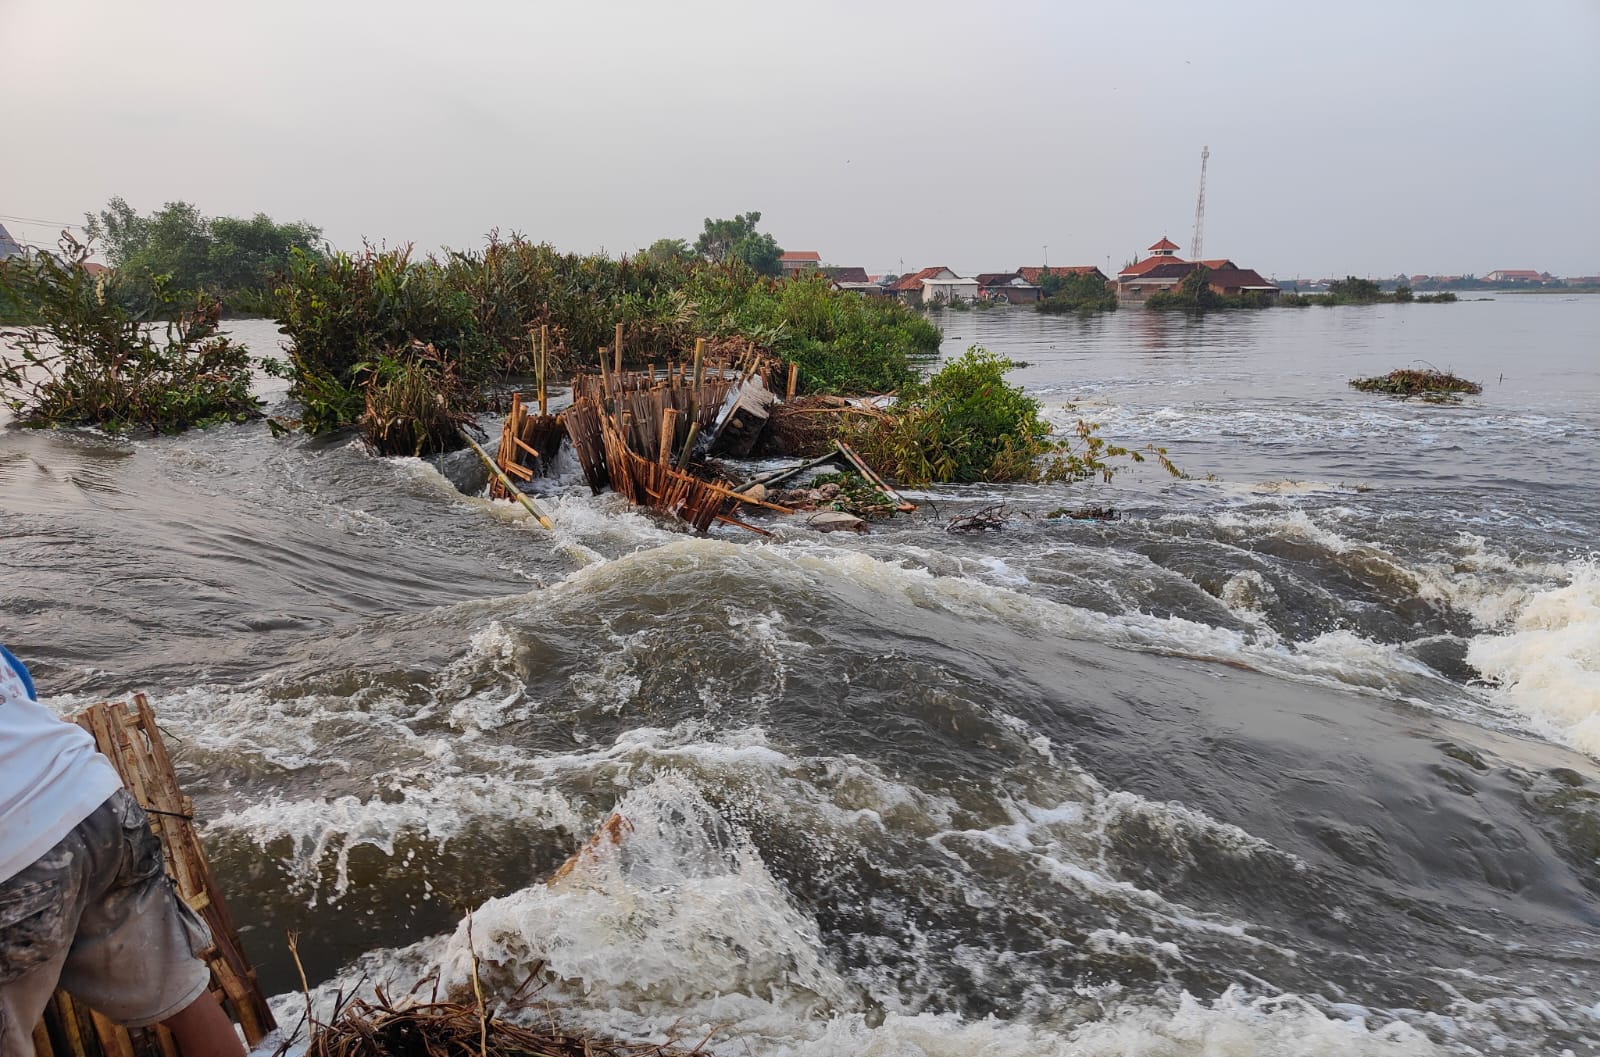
(994, 516)
(1088, 513)
(1430, 385)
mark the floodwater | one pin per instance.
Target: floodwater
(1298, 757)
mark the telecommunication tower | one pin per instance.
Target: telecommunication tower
(1200, 209)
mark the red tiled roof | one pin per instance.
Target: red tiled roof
(1032, 274)
(1164, 244)
(1230, 278)
(1220, 262)
(801, 255)
(997, 278)
(1143, 266)
(914, 280)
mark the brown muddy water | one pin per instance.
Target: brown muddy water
(1297, 757)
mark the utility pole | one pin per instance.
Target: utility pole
(1200, 209)
(1047, 258)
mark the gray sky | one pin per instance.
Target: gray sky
(1350, 137)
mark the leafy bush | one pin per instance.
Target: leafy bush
(87, 359)
(842, 342)
(343, 312)
(1063, 291)
(966, 423)
(415, 403)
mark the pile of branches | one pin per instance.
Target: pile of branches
(383, 1028)
(415, 1027)
(993, 516)
(807, 426)
(1428, 384)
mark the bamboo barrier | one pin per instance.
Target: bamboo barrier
(129, 738)
(528, 445)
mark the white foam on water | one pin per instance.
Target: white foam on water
(436, 809)
(1547, 664)
(681, 910)
(1335, 658)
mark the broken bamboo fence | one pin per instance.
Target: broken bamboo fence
(127, 735)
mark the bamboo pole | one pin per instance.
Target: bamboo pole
(618, 343)
(544, 367)
(794, 379)
(516, 493)
(694, 401)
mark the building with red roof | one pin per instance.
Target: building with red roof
(1164, 270)
(794, 261)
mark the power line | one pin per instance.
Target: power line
(36, 220)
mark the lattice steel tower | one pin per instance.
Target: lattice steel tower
(1200, 209)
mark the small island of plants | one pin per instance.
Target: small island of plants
(1426, 384)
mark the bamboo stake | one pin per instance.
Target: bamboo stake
(618, 343)
(544, 367)
(516, 493)
(694, 401)
(794, 378)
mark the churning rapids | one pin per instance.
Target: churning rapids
(1296, 758)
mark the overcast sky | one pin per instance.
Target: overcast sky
(1348, 137)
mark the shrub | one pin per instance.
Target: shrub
(1428, 384)
(87, 359)
(966, 423)
(343, 312)
(1074, 292)
(842, 342)
(414, 403)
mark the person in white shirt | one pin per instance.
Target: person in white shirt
(85, 902)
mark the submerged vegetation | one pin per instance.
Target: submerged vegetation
(1430, 385)
(1063, 291)
(87, 359)
(1194, 294)
(1353, 291)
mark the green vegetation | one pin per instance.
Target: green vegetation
(855, 495)
(231, 259)
(1062, 292)
(966, 423)
(1194, 294)
(738, 240)
(1353, 291)
(1433, 386)
(350, 316)
(414, 404)
(86, 359)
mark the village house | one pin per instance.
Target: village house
(1009, 288)
(910, 289)
(795, 261)
(1163, 271)
(1517, 275)
(855, 281)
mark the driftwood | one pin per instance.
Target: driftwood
(128, 736)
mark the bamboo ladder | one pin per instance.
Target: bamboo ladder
(127, 735)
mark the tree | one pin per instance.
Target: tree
(221, 255)
(738, 240)
(668, 251)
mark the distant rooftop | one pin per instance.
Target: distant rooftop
(8, 245)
